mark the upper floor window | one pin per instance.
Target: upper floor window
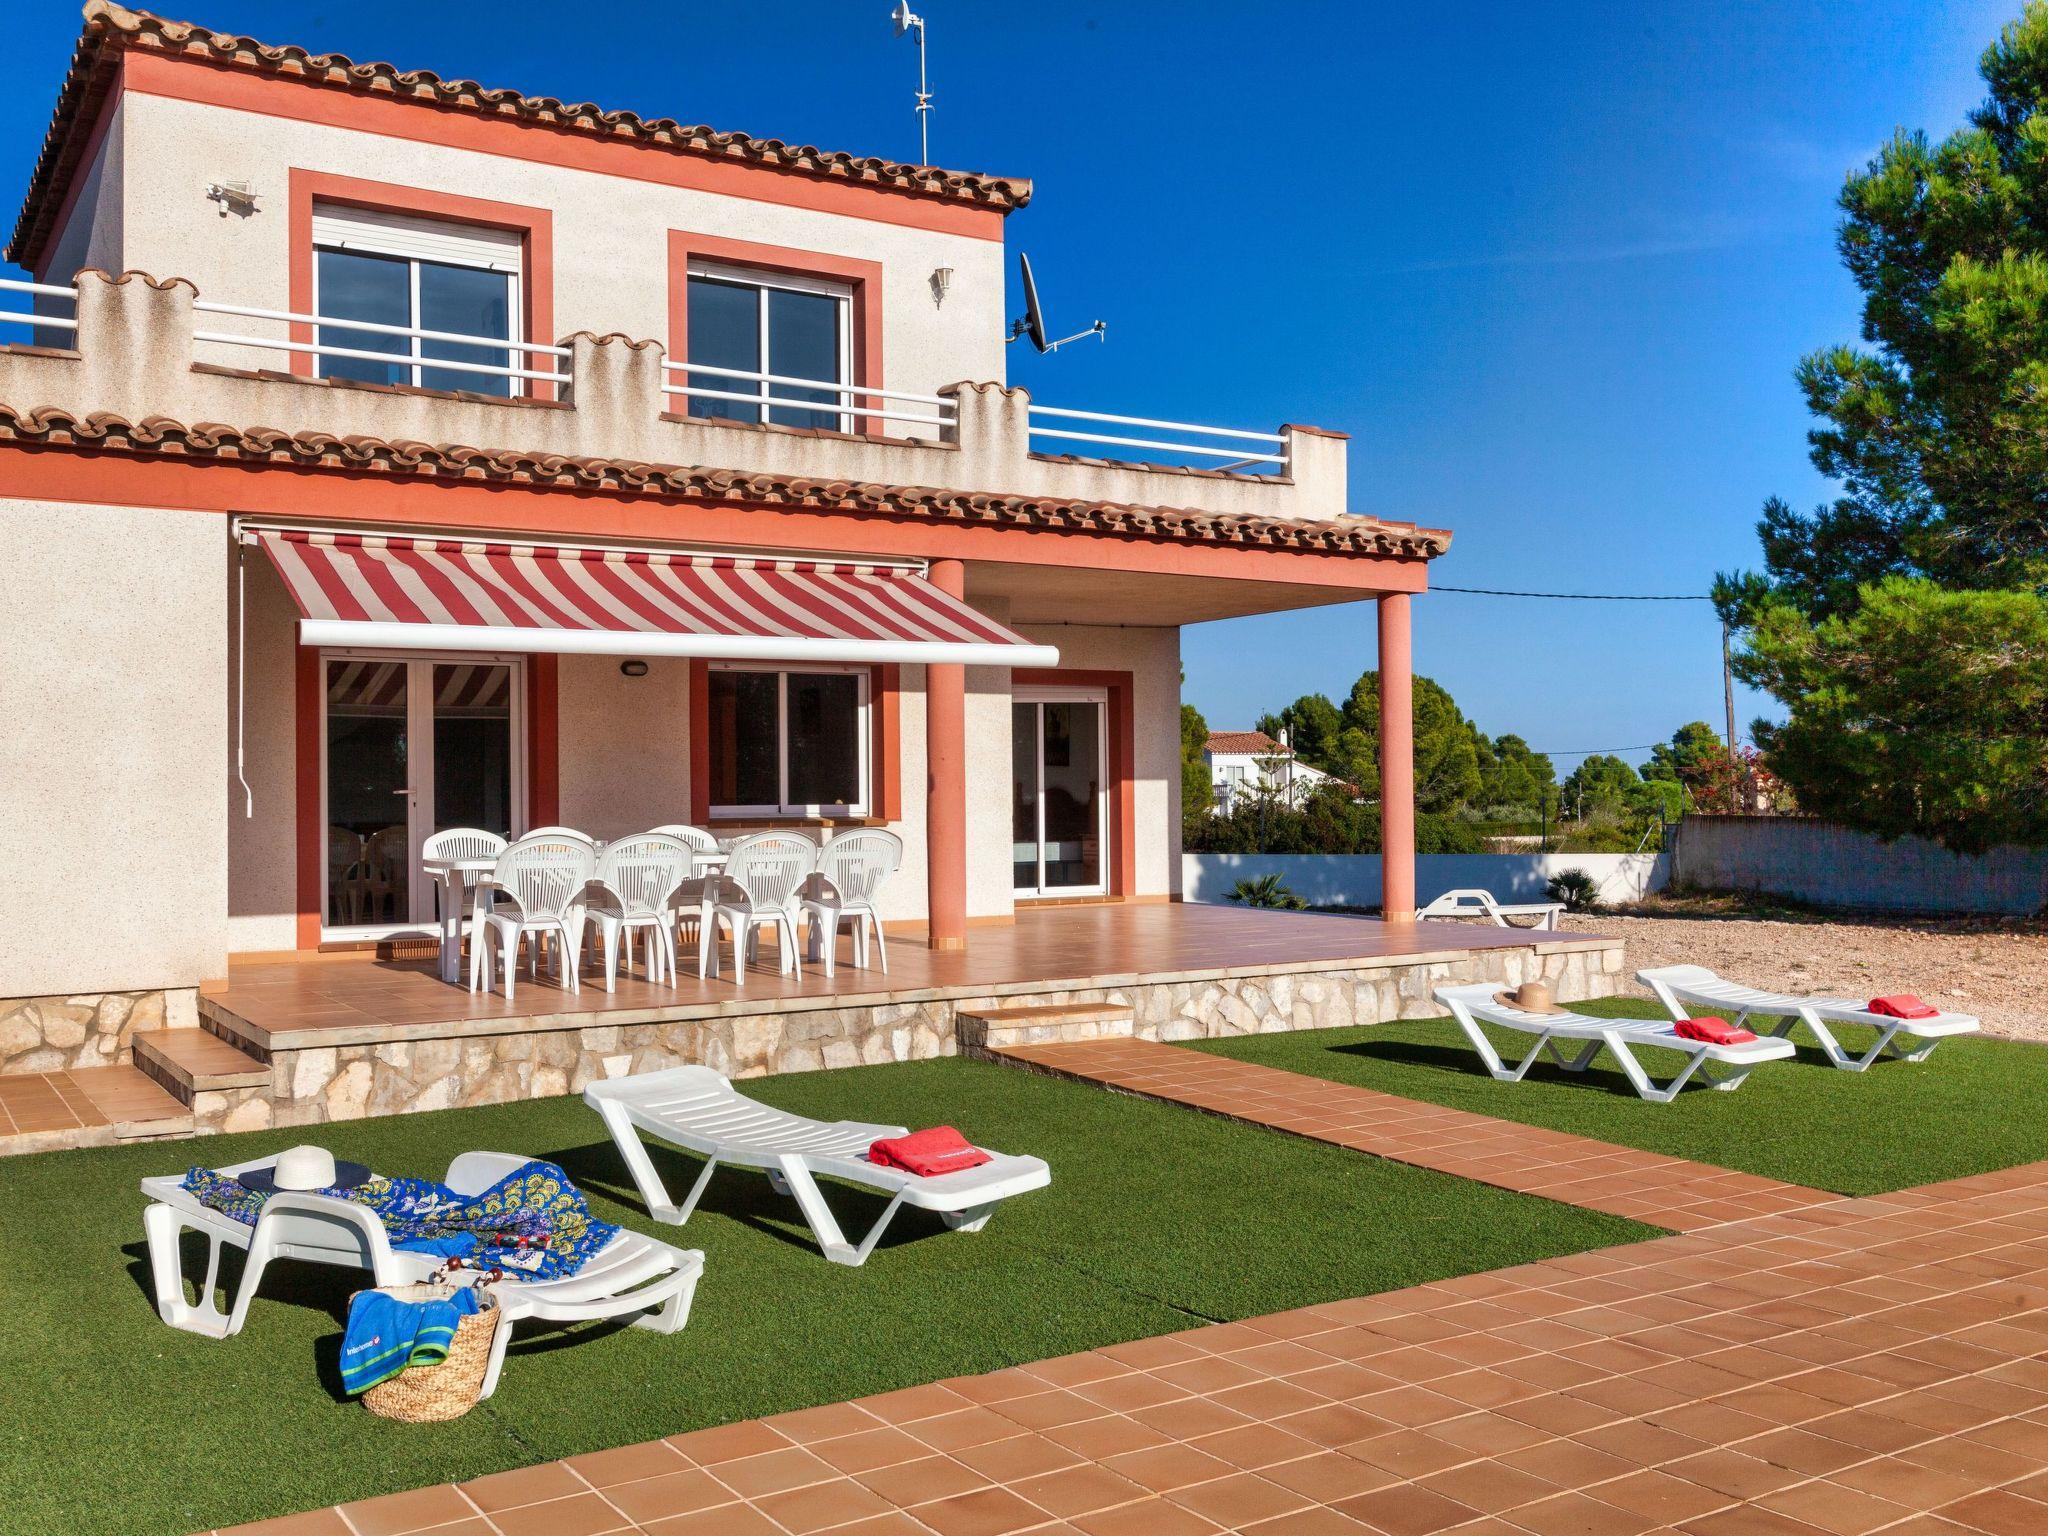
(412, 275)
(752, 324)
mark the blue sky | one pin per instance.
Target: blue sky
(1550, 266)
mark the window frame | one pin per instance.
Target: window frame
(764, 279)
(864, 725)
(393, 249)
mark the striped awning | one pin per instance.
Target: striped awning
(407, 593)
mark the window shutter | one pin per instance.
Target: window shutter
(377, 232)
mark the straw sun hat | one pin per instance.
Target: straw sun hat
(1529, 997)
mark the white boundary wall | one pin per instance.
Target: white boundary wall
(1353, 879)
(1833, 866)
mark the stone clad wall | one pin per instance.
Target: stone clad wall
(93, 1029)
(309, 1087)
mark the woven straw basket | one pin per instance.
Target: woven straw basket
(431, 1394)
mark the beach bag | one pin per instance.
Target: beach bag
(433, 1394)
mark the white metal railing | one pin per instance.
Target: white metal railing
(1237, 456)
(43, 290)
(412, 358)
(842, 403)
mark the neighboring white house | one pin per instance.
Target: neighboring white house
(1245, 763)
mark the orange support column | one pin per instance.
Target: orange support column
(1397, 762)
(945, 746)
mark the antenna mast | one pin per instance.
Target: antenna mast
(908, 20)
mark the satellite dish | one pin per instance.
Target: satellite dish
(905, 18)
(1032, 323)
(1034, 316)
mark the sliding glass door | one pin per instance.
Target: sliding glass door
(410, 745)
(1058, 779)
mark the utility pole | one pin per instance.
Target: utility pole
(1728, 697)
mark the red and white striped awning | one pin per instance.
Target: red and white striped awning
(486, 595)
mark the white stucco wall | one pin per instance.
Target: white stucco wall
(92, 234)
(113, 668)
(625, 744)
(610, 233)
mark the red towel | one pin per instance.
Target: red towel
(1714, 1031)
(1902, 1005)
(928, 1153)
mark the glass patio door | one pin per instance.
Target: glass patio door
(411, 744)
(1059, 815)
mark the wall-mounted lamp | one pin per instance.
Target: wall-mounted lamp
(942, 279)
(632, 669)
(236, 197)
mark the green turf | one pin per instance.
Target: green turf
(1975, 1104)
(1157, 1219)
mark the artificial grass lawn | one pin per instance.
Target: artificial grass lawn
(1158, 1218)
(1975, 1104)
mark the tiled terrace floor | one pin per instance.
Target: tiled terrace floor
(1664, 1191)
(1866, 1365)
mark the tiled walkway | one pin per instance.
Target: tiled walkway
(1664, 1191)
(73, 1108)
(1866, 1365)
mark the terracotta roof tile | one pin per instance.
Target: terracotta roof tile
(1350, 536)
(110, 29)
(1257, 743)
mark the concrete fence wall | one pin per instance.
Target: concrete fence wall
(1833, 866)
(1353, 879)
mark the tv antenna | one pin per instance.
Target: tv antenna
(908, 20)
(1032, 323)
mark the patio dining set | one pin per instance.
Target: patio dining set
(554, 885)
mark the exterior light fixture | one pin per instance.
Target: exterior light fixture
(236, 197)
(942, 279)
(633, 669)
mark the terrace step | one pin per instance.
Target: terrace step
(92, 1107)
(192, 1061)
(982, 1030)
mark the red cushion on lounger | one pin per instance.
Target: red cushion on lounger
(1713, 1031)
(928, 1153)
(1902, 1005)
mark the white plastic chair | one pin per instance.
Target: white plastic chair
(568, 832)
(540, 879)
(345, 873)
(383, 874)
(461, 843)
(635, 888)
(851, 868)
(689, 899)
(759, 888)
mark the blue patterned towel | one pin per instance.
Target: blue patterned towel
(533, 1223)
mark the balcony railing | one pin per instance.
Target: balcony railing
(412, 359)
(840, 404)
(30, 317)
(996, 440)
(1238, 457)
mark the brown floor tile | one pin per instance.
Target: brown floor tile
(398, 1514)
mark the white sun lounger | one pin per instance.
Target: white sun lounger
(1718, 1066)
(634, 1276)
(699, 1110)
(1473, 902)
(1685, 989)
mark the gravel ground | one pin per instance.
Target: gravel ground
(1994, 970)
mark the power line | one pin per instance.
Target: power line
(1648, 746)
(1584, 597)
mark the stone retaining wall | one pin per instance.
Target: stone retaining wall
(312, 1086)
(67, 1034)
